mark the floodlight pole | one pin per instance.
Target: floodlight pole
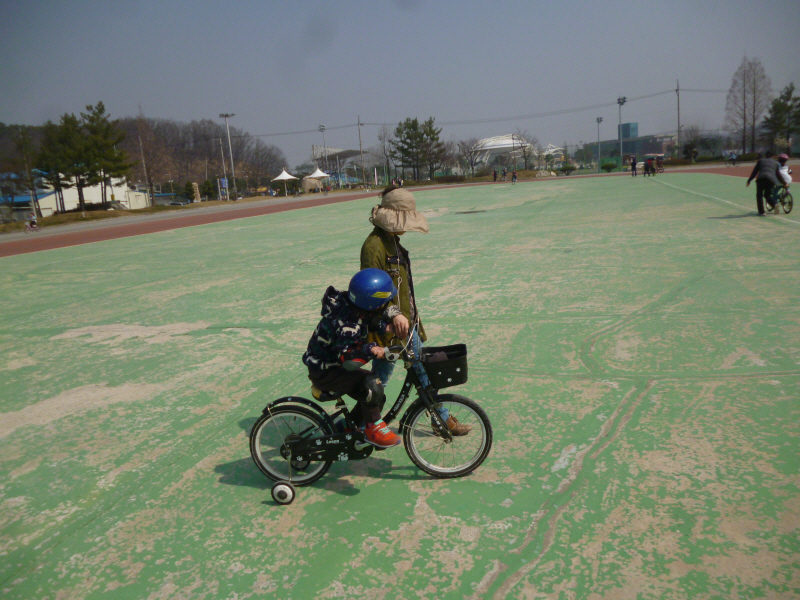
(621, 100)
(599, 120)
(224, 172)
(324, 147)
(230, 149)
(678, 93)
(361, 150)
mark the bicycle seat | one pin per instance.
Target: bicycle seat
(323, 396)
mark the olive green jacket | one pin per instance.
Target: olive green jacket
(382, 250)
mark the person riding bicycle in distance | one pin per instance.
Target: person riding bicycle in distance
(340, 340)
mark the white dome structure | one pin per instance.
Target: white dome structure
(491, 147)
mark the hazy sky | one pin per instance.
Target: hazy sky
(289, 66)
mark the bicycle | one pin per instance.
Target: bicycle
(31, 227)
(731, 162)
(295, 440)
(784, 198)
(325, 191)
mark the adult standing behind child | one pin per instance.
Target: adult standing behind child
(396, 215)
(767, 174)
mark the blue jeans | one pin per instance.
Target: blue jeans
(384, 368)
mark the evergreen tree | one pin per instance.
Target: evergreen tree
(407, 146)
(75, 156)
(50, 162)
(781, 120)
(188, 190)
(209, 190)
(103, 136)
(24, 167)
(433, 148)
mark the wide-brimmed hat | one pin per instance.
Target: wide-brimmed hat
(397, 213)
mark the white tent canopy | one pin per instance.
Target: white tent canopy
(318, 174)
(284, 176)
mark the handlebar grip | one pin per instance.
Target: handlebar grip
(392, 353)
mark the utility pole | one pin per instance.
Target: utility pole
(599, 120)
(230, 150)
(678, 92)
(621, 100)
(150, 196)
(360, 149)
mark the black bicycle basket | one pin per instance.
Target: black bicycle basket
(446, 366)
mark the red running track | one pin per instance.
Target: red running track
(44, 240)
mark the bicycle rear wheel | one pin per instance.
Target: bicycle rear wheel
(268, 443)
(432, 453)
(787, 202)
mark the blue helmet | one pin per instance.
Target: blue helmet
(371, 288)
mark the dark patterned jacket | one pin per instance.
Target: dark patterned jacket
(342, 333)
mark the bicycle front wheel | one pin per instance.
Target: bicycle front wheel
(441, 458)
(268, 443)
(787, 201)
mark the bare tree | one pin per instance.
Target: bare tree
(690, 137)
(528, 144)
(385, 145)
(263, 160)
(469, 151)
(748, 97)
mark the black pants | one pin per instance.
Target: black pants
(764, 188)
(355, 385)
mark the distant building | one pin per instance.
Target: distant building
(491, 148)
(118, 191)
(646, 144)
(629, 130)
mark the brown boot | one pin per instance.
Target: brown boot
(457, 429)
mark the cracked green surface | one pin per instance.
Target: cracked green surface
(635, 344)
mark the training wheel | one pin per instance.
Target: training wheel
(283, 492)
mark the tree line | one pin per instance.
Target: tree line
(749, 97)
(416, 149)
(169, 150)
(92, 149)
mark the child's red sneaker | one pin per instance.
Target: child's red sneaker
(379, 435)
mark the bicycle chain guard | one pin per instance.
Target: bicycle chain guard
(339, 447)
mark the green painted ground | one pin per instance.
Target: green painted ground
(635, 344)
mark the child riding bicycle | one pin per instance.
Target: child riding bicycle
(338, 347)
(786, 173)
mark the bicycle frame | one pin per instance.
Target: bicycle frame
(346, 446)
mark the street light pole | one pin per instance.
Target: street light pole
(324, 147)
(599, 120)
(230, 150)
(224, 172)
(621, 100)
